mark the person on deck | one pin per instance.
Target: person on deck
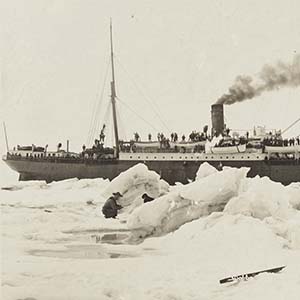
(102, 134)
(136, 137)
(111, 207)
(147, 198)
(175, 137)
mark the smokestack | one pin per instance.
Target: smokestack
(217, 119)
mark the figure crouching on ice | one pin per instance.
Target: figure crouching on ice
(111, 207)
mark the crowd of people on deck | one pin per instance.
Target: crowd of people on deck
(278, 141)
(194, 136)
(231, 142)
(226, 140)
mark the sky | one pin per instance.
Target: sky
(174, 59)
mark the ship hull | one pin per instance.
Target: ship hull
(171, 171)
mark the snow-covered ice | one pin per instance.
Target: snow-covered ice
(56, 244)
(187, 203)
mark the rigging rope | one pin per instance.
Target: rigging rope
(295, 122)
(94, 124)
(152, 103)
(128, 107)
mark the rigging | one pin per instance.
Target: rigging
(94, 124)
(151, 103)
(290, 126)
(134, 112)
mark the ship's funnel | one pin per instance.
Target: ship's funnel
(217, 119)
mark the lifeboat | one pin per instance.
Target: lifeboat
(282, 149)
(227, 149)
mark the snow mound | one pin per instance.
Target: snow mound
(205, 170)
(237, 242)
(32, 184)
(187, 203)
(294, 193)
(261, 198)
(271, 202)
(75, 183)
(134, 182)
(287, 229)
(215, 189)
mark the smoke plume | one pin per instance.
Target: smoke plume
(269, 78)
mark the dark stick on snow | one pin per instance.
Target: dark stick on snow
(245, 276)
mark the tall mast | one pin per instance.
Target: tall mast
(6, 140)
(113, 94)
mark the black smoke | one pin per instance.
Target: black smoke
(268, 79)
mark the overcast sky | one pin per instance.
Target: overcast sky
(174, 59)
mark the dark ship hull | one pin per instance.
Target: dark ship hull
(286, 171)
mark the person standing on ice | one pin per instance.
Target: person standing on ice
(111, 207)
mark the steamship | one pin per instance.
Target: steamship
(174, 161)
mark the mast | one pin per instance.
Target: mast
(113, 93)
(6, 140)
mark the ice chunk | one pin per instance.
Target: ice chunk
(63, 184)
(215, 188)
(186, 203)
(31, 184)
(293, 191)
(134, 182)
(205, 170)
(260, 198)
(287, 229)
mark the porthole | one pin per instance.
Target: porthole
(130, 156)
(227, 157)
